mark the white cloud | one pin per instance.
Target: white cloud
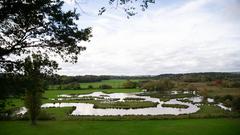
(191, 37)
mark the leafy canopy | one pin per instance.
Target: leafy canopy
(40, 27)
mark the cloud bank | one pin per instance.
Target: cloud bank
(191, 36)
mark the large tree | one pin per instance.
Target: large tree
(30, 26)
(31, 31)
(35, 68)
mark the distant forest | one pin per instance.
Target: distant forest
(186, 77)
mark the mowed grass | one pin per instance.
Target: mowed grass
(150, 127)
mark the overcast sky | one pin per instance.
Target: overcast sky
(172, 36)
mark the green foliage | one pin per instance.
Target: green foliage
(105, 86)
(90, 87)
(115, 83)
(204, 93)
(35, 30)
(185, 100)
(158, 85)
(70, 86)
(35, 68)
(166, 95)
(129, 84)
(39, 24)
(236, 104)
(33, 103)
(133, 99)
(11, 86)
(191, 87)
(125, 104)
(175, 106)
(130, 7)
(226, 100)
(63, 79)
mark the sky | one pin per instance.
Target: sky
(171, 36)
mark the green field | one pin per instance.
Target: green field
(150, 127)
(115, 83)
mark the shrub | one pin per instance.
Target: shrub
(175, 106)
(236, 104)
(71, 86)
(227, 97)
(158, 85)
(129, 84)
(191, 87)
(90, 87)
(105, 86)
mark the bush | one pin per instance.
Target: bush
(175, 106)
(227, 97)
(129, 85)
(90, 87)
(191, 87)
(217, 98)
(71, 86)
(158, 85)
(105, 86)
(236, 104)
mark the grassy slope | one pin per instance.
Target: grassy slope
(163, 127)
